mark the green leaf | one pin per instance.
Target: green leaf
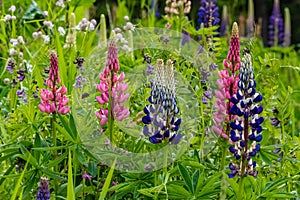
(18, 185)
(275, 185)
(70, 190)
(107, 181)
(57, 160)
(196, 176)
(186, 177)
(177, 192)
(277, 195)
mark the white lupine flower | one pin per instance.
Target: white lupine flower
(61, 31)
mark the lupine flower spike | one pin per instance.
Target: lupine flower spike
(276, 27)
(208, 13)
(112, 88)
(161, 121)
(227, 85)
(43, 191)
(246, 128)
(54, 99)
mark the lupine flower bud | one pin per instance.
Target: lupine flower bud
(224, 23)
(161, 121)
(43, 191)
(246, 128)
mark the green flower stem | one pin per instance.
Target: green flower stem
(110, 110)
(240, 195)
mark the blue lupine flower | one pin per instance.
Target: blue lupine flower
(276, 27)
(161, 121)
(246, 128)
(43, 191)
(208, 13)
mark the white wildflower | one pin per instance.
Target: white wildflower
(61, 31)
(12, 8)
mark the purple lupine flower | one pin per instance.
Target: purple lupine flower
(10, 65)
(246, 128)
(43, 191)
(20, 93)
(78, 81)
(160, 117)
(150, 69)
(21, 75)
(276, 26)
(36, 92)
(208, 13)
(185, 38)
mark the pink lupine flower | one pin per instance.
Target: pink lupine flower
(86, 176)
(227, 85)
(53, 99)
(112, 86)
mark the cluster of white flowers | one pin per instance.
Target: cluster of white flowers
(15, 42)
(48, 24)
(174, 7)
(39, 34)
(86, 25)
(8, 17)
(60, 3)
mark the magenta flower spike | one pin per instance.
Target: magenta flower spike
(54, 98)
(227, 85)
(112, 88)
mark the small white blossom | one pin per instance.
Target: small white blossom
(129, 26)
(13, 42)
(117, 30)
(94, 22)
(119, 37)
(12, 8)
(7, 18)
(46, 39)
(60, 3)
(12, 52)
(35, 35)
(46, 14)
(49, 24)
(13, 17)
(21, 54)
(6, 81)
(126, 18)
(20, 39)
(125, 47)
(61, 31)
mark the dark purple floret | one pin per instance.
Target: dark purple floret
(79, 61)
(10, 65)
(21, 75)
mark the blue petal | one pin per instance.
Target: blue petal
(178, 122)
(154, 140)
(231, 166)
(175, 139)
(146, 130)
(146, 119)
(167, 133)
(232, 149)
(258, 138)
